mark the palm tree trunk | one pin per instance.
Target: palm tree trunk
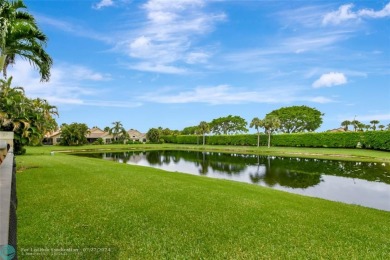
(258, 139)
(204, 138)
(269, 138)
(2, 61)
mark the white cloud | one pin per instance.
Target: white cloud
(66, 85)
(167, 36)
(103, 3)
(376, 14)
(83, 73)
(73, 28)
(224, 94)
(330, 79)
(160, 68)
(197, 57)
(345, 13)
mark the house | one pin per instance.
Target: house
(52, 138)
(136, 136)
(95, 133)
(340, 129)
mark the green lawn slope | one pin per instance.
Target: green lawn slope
(101, 209)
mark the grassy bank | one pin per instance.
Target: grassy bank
(94, 205)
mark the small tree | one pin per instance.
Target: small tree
(153, 135)
(345, 124)
(381, 127)
(374, 123)
(271, 124)
(118, 132)
(204, 128)
(257, 124)
(355, 123)
(74, 134)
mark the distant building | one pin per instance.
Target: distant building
(337, 130)
(136, 136)
(52, 138)
(93, 135)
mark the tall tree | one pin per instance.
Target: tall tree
(118, 131)
(204, 128)
(374, 123)
(355, 123)
(298, 118)
(271, 124)
(228, 125)
(257, 124)
(345, 124)
(20, 35)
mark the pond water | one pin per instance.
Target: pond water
(361, 183)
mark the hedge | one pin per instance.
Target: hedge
(379, 140)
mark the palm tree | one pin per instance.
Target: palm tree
(388, 127)
(361, 126)
(117, 130)
(20, 35)
(355, 124)
(381, 127)
(374, 123)
(271, 123)
(204, 128)
(257, 124)
(346, 123)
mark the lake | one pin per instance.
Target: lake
(361, 183)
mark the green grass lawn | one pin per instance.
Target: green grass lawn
(144, 213)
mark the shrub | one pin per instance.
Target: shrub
(379, 140)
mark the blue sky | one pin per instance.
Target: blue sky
(175, 63)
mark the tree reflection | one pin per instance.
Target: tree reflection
(271, 170)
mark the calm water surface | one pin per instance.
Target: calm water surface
(366, 184)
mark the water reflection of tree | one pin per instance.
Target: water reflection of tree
(233, 163)
(153, 158)
(274, 174)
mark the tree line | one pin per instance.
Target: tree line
(292, 119)
(359, 126)
(286, 120)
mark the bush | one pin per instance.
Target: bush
(379, 140)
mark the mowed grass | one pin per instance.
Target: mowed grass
(143, 213)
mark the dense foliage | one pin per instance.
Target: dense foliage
(29, 119)
(74, 134)
(153, 135)
(228, 125)
(296, 119)
(379, 140)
